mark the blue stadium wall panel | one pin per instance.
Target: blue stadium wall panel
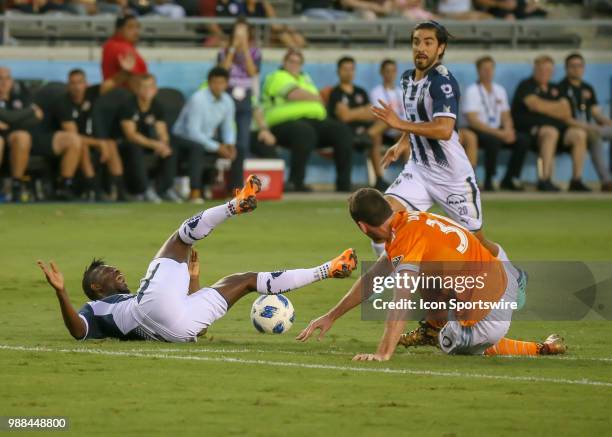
(188, 75)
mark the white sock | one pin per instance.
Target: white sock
(379, 248)
(202, 224)
(281, 282)
(501, 254)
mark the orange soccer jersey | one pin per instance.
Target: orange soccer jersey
(450, 257)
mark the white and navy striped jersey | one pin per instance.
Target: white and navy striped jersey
(435, 95)
(114, 317)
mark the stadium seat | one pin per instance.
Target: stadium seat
(172, 100)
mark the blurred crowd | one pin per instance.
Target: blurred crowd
(125, 139)
(285, 35)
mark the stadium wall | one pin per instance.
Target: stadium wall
(185, 69)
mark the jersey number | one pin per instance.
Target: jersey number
(447, 229)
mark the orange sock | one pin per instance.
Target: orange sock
(507, 346)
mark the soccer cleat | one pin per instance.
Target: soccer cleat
(553, 345)
(424, 335)
(343, 265)
(246, 198)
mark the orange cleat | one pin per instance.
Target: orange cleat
(553, 345)
(246, 198)
(343, 265)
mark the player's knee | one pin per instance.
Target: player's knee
(548, 132)
(20, 140)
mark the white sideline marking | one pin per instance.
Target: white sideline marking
(315, 366)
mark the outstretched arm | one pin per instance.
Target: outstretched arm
(75, 325)
(354, 297)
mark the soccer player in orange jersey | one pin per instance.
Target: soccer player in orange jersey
(425, 244)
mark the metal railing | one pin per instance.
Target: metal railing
(52, 29)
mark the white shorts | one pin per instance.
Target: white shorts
(456, 339)
(458, 196)
(165, 308)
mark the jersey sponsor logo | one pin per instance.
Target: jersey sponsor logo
(442, 70)
(396, 260)
(456, 199)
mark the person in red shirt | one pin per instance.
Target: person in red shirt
(120, 59)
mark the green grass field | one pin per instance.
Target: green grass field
(236, 381)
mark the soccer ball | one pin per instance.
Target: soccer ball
(272, 314)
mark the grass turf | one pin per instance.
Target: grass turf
(237, 381)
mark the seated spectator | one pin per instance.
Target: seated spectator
(298, 119)
(74, 114)
(42, 6)
(485, 105)
(350, 104)
(369, 9)
(586, 110)
(167, 8)
(460, 10)
(27, 136)
(413, 10)
(390, 93)
(511, 9)
(205, 128)
(288, 36)
(120, 58)
(243, 60)
(324, 10)
(145, 134)
(539, 111)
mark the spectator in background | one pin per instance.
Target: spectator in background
(460, 10)
(288, 36)
(205, 128)
(30, 137)
(16, 115)
(511, 9)
(586, 110)
(390, 93)
(324, 10)
(413, 10)
(74, 114)
(540, 111)
(350, 104)
(145, 134)
(296, 115)
(42, 6)
(485, 105)
(120, 59)
(369, 9)
(243, 60)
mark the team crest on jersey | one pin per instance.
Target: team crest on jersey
(17, 104)
(442, 70)
(86, 106)
(396, 260)
(150, 119)
(554, 92)
(359, 99)
(586, 94)
(446, 108)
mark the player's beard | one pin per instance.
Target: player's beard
(421, 64)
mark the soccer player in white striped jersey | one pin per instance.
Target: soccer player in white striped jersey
(438, 171)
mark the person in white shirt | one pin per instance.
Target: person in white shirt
(486, 109)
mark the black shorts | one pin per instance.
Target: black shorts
(42, 144)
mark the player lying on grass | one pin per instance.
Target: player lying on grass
(169, 304)
(420, 241)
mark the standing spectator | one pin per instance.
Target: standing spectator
(540, 112)
(486, 108)
(29, 137)
(243, 60)
(297, 118)
(324, 10)
(205, 128)
(288, 36)
(146, 134)
(586, 110)
(350, 104)
(120, 59)
(74, 114)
